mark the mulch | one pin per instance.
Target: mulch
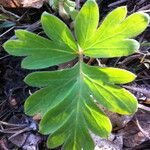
(14, 124)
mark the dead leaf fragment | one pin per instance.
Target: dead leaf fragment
(37, 117)
(33, 3)
(22, 3)
(114, 142)
(11, 3)
(132, 134)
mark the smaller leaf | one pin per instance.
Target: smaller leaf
(69, 7)
(54, 4)
(7, 24)
(145, 44)
(3, 16)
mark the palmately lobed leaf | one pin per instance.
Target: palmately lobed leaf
(67, 100)
(111, 39)
(76, 103)
(72, 99)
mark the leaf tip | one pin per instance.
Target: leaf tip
(17, 32)
(26, 79)
(124, 7)
(131, 77)
(134, 76)
(45, 13)
(92, 1)
(136, 45)
(26, 108)
(5, 45)
(146, 17)
(23, 65)
(8, 47)
(41, 129)
(28, 63)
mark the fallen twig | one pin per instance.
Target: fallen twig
(141, 129)
(141, 90)
(8, 12)
(143, 107)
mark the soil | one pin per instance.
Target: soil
(14, 124)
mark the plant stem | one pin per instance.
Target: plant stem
(80, 54)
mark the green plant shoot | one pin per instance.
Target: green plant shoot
(67, 99)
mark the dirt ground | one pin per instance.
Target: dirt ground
(18, 131)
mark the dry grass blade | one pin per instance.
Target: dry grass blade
(117, 3)
(13, 125)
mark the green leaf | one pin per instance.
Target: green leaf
(69, 99)
(145, 44)
(86, 22)
(40, 52)
(3, 17)
(54, 4)
(101, 84)
(111, 38)
(114, 98)
(69, 7)
(7, 24)
(65, 97)
(72, 102)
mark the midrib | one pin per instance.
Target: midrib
(78, 102)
